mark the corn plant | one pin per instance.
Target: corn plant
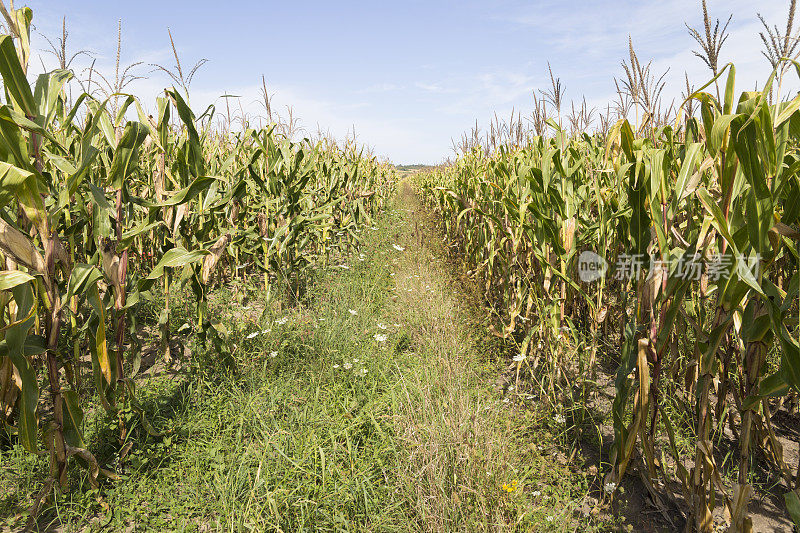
(715, 195)
(102, 214)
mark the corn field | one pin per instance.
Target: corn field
(706, 355)
(101, 214)
(644, 261)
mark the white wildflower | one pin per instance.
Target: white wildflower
(348, 366)
(560, 419)
(273, 354)
(549, 518)
(335, 366)
(381, 326)
(609, 487)
(283, 320)
(398, 248)
(536, 494)
(362, 372)
(353, 312)
(380, 338)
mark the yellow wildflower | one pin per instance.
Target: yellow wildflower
(510, 487)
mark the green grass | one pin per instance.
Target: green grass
(320, 424)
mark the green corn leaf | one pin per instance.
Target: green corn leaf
(17, 87)
(12, 278)
(126, 153)
(73, 419)
(14, 347)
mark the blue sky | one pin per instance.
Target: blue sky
(407, 76)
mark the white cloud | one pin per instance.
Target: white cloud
(431, 87)
(381, 88)
(588, 44)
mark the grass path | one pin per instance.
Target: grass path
(373, 406)
(474, 446)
